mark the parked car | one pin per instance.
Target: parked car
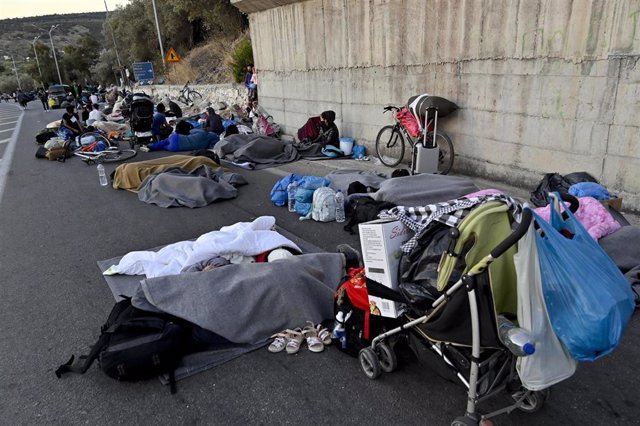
(58, 93)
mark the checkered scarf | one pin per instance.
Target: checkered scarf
(451, 213)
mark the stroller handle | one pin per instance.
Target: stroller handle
(515, 236)
(522, 228)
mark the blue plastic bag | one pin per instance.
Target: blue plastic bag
(358, 152)
(279, 195)
(588, 299)
(589, 189)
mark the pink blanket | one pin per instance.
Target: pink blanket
(592, 215)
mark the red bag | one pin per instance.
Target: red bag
(408, 121)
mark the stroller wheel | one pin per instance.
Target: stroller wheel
(464, 421)
(387, 357)
(533, 400)
(369, 363)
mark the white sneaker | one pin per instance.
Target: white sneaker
(144, 148)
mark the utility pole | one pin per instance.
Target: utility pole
(55, 58)
(15, 70)
(115, 46)
(155, 13)
(36, 53)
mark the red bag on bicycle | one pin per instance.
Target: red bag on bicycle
(408, 121)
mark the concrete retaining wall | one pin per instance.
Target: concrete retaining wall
(542, 85)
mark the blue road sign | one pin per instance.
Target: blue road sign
(143, 71)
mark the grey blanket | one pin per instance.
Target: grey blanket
(340, 179)
(423, 189)
(130, 285)
(623, 248)
(262, 151)
(175, 187)
(247, 303)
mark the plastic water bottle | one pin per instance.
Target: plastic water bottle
(340, 206)
(102, 175)
(291, 196)
(338, 326)
(516, 339)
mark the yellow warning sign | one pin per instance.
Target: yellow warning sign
(172, 56)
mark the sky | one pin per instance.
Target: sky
(24, 8)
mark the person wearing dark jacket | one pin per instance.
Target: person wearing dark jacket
(329, 134)
(214, 122)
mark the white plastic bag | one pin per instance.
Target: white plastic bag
(551, 363)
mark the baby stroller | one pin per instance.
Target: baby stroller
(451, 325)
(141, 119)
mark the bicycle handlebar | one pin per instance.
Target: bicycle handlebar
(391, 108)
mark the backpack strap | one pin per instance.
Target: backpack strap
(88, 359)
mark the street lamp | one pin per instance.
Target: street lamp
(36, 53)
(15, 70)
(53, 27)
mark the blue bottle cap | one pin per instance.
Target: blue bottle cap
(529, 348)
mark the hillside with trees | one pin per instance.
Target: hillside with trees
(205, 34)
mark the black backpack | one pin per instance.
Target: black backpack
(365, 209)
(135, 345)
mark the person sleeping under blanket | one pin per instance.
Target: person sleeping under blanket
(197, 139)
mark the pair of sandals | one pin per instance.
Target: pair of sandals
(290, 341)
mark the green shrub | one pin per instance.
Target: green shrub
(241, 56)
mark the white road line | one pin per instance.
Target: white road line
(5, 163)
(7, 130)
(5, 140)
(8, 122)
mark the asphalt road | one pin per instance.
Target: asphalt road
(56, 222)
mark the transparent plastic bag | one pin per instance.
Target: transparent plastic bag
(588, 299)
(550, 363)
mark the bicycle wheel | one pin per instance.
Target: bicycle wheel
(445, 158)
(390, 146)
(194, 96)
(116, 156)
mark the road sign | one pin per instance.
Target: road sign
(143, 71)
(172, 56)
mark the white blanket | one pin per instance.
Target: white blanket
(244, 238)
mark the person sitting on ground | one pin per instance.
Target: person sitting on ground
(71, 121)
(96, 115)
(329, 134)
(160, 129)
(214, 122)
(174, 108)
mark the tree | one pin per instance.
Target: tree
(77, 60)
(102, 71)
(47, 65)
(183, 24)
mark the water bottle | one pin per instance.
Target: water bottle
(340, 206)
(102, 175)
(338, 326)
(291, 196)
(516, 339)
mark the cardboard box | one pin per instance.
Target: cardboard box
(616, 203)
(380, 242)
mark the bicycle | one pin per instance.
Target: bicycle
(390, 143)
(189, 95)
(109, 153)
